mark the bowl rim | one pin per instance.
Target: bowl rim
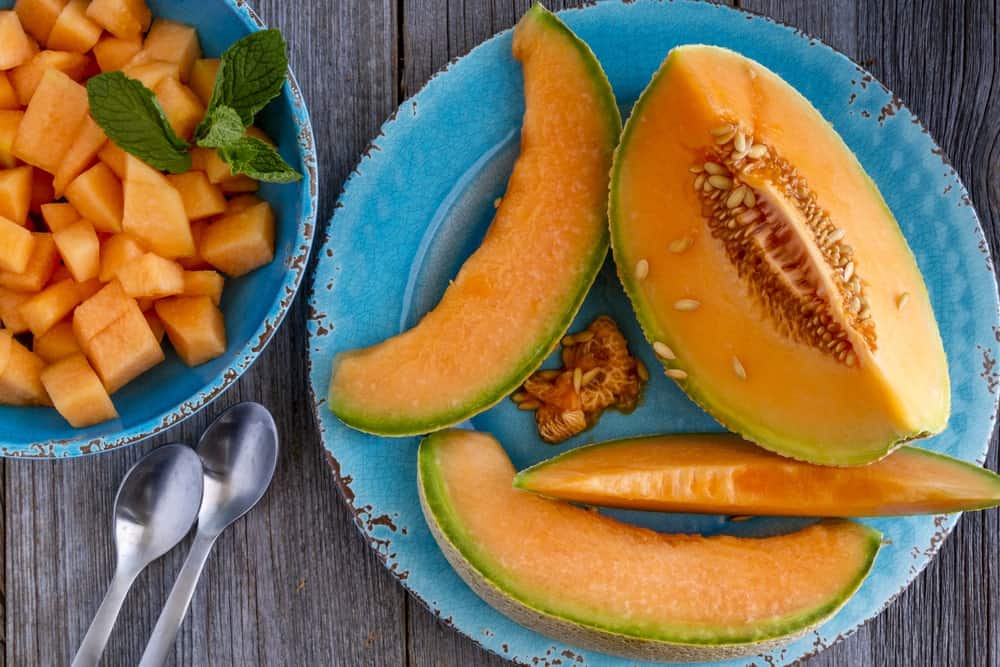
(285, 294)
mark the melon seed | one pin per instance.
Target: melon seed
(721, 182)
(676, 374)
(722, 130)
(641, 269)
(680, 245)
(529, 405)
(738, 368)
(641, 370)
(577, 379)
(686, 304)
(663, 351)
(714, 169)
(902, 300)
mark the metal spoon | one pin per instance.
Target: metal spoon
(156, 505)
(239, 452)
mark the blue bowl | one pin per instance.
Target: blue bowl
(254, 305)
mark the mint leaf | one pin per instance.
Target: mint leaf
(129, 114)
(251, 74)
(258, 161)
(222, 126)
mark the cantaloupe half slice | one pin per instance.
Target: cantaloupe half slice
(767, 269)
(516, 295)
(723, 474)
(589, 580)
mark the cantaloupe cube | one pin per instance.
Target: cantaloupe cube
(41, 265)
(202, 78)
(151, 276)
(15, 193)
(114, 157)
(97, 195)
(151, 73)
(240, 243)
(117, 251)
(201, 198)
(52, 304)
(81, 154)
(16, 246)
(59, 215)
(39, 16)
(122, 18)
(155, 324)
(57, 343)
(154, 211)
(42, 191)
(99, 311)
(239, 184)
(89, 288)
(208, 161)
(195, 262)
(172, 42)
(16, 48)
(146, 303)
(20, 374)
(26, 78)
(73, 30)
(240, 203)
(204, 283)
(9, 122)
(8, 96)
(50, 123)
(77, 392)
(124, 349)
(80, 250)
(10, 313)
(183, 108)
(194, 326)
(113, 53)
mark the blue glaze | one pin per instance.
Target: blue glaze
(420, 201)
(254, 305)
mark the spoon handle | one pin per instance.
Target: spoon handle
(96, 638)
(174, 611)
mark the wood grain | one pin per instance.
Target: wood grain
(294, 583)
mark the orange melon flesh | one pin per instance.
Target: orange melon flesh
(518, 292)
(77, 392)
(624, 589)
(794, 399)
(723, 474)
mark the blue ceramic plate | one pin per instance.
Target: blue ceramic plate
(254, 305)
(419, 204)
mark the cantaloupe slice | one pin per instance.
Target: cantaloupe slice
(27, 77)
(151, 276)
(114, 158)
(237, 244)
(97, 195)
(113, 53)
(57, 343)
(10, 310)
(512, 314)
(15, 193)
(724, 474)
(182, 107)
(73, 30)
(154, 211)
(50, 122)
(39, 16)
(77, 392)
(117, 251)
(173, 42)
(202, 199)
(89, 141)
(151, 73)
(98, 312)
(202, 78)
(41, 265)
(8, 96)
(48, 307)
(16, 246)
(80, 249)
(123, 350)
(59, 215)
(16, 48)
(240, 203)
(126, 19)
(239, 184)
(204, 283)
(20, 374)
(195, 327)
(591, 581)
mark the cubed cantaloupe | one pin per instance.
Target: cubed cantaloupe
(15, 193)
(151, 276)
(114, 157)
(8, 96)
(61, 273)
(89, 288)
(113, 53)
(52, 304)
(239, 184)
(16, 245)
(154, 211)
(194, 326)
(124, 349)
(20, 373)
(50, 122)
(41, 265)
(145, 303)
(202, 79)
(97, 195)
(10, 310)
(16, 48)
(39, 16)
(57, 343)
(152, 72)
(10, 120)
(99, 311)
(58, 215)
(77, 392)
(26, 78)
(81, 154)
(204, 283)
(183, 108)
(155, 324)
(116, 251)
(42, 191)
(240, 203)
(237, 244)
(195, 262)
(208, 161)
(122, 18)
(201, 198)
(80, 249)
(74, 30)
(172, 42)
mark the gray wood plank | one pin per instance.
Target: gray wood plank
(293, 583)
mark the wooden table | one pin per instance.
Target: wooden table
(294, 583)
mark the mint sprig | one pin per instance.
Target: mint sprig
(258, 161)
(131, 117)
(223, 127)
(251, 74)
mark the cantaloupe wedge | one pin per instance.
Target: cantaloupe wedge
(50, 122)
(195, 327)
(202, 78)
(97, 195)
(127, 19)
(151, 73)
(27, 77)
(239, 184)
(237, 244)
(59, 215)
(48, 307)
(16, 48)
(204, 283)
(39, 16)
(20, 374)
(113, 53)
(154, 211)
(123, 350)
(114, 158)
(723, 474)
(16, 246)
(57, 343)
(41, 265)
(117, 251)
(80, 249)
(202, 199)
(10, 310)
(182, 107)
(15, 193)
(77, 392)
(173, 42)
(89, 141)
(151, 276)
(73, 30)
(591, 581)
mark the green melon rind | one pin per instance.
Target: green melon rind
(475, 567)
(358, 417)
(522, 480)
(781, 443)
